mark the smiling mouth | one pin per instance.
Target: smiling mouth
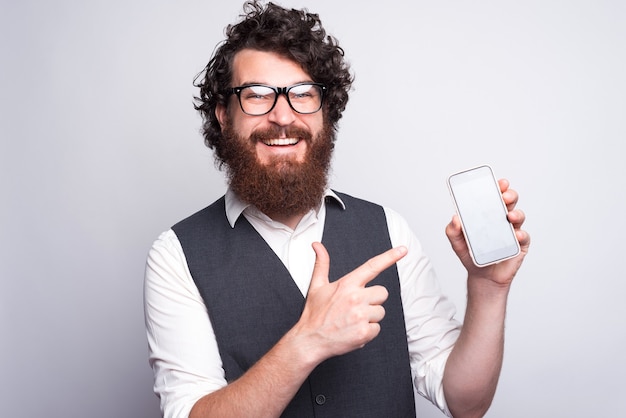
(280, 141)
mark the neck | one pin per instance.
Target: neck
(290, 220)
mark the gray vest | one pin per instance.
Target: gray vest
(252, 302)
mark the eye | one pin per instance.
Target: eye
(257, 93)
(303, 92)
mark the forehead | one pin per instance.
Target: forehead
(253, 66)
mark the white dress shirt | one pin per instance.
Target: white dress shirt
(183, 350)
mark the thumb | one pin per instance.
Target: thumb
(321, 267)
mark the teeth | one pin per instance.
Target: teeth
(281, 141)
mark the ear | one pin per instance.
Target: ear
(221, 114)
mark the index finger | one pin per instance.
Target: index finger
(369, 270)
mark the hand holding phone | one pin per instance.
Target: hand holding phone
(489, 235)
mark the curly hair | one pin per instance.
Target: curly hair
(295, 34)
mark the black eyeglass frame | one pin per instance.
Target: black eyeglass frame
(278, 91)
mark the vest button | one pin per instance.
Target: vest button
(320, 399)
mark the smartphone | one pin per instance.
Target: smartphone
(478, 200)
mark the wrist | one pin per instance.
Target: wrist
(301, 349)
(486, 289)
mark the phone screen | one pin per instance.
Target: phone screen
(489, 235)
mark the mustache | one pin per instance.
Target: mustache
(277, 132)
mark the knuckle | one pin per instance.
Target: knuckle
(372, 266)
(357, 316)
(354, 299)
(362, 334)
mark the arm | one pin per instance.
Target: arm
(338, 317)
(473, 368)
(265, 389)
(429, 315)
(183, 351)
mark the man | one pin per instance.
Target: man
(287, 298)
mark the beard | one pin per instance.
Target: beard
(283, 186)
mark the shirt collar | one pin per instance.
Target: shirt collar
(235, 206)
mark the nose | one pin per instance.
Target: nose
(282, 114)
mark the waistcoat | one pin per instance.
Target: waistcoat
(252, 301)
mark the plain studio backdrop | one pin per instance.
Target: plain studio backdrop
(101, 151)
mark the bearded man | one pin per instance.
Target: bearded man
(286, 298)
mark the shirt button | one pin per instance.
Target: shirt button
(320, 399)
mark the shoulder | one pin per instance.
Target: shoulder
(201, 216)
(347, 200)
(166, 251)
(395, 221)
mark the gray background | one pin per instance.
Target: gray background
(101, 152)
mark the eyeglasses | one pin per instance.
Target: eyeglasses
(259, 99)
